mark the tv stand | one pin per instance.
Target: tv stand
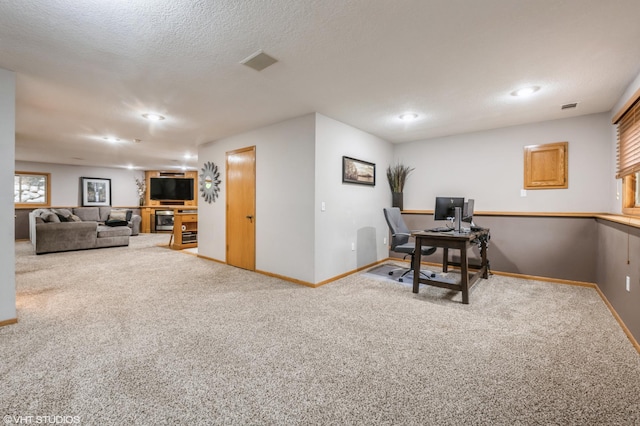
(185, 230)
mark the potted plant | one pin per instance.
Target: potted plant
(397, 176)
(142, 189)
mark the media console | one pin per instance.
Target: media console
(185, 229)
(152, 207)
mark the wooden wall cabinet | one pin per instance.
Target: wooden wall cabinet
(150, 206)
(546, 166)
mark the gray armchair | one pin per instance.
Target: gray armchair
(400, 236)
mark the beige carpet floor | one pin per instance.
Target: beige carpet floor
(143, 335)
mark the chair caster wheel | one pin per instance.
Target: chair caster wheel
(391, 273)
(400, 279)
(433, 275)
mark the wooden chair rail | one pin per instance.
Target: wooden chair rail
(633, 221)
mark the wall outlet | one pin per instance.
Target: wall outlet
(628, 284)
(523, 192)
(323, 206)
(384, 240)
(353, 246)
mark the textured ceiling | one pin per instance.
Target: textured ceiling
(87, 69)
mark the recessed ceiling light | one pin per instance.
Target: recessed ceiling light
(408, 116)
(525, 91)
(111, 139)
(153, 117)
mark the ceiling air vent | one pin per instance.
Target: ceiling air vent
(569, 106)
(259, 61)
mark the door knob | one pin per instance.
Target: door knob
(250, 218)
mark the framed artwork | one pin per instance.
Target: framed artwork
(358, 171)
(95, 191)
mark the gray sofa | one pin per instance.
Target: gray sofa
(54, 230)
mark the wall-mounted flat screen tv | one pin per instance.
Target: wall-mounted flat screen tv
(171, 188)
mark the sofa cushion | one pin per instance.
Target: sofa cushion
(117, 231)
(104, 213)
(52, 237)
(50, 217)
(87, 214)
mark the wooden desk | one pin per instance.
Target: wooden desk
(457, 241)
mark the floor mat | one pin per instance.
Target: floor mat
(382, 272)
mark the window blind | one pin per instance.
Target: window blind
(628, 150)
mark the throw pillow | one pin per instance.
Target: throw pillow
(117, 215)
(64, 212)
(115, 222)
(62, 218)
(51, 218)
(74, 218)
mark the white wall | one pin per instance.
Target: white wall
(7, 146)
(353, 212)
(284, 198)
(488, 166)
(616, 184)
(65, 182)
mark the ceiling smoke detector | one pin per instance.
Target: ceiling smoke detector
(569, 106)
(259, 61)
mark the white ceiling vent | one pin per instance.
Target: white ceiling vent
(259, 61)
(569, 106)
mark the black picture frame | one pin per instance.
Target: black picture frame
(358, 171)
(95, 191)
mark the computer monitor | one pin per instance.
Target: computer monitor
(445, 207)
(467, 211)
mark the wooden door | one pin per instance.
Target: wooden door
(241, 208)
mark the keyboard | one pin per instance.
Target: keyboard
(442, 229)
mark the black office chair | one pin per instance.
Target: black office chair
(400, 236)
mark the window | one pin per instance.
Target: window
(32, 189)
(636, 200)
(628, 154)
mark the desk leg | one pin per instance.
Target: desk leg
(445, 259)
(464, 275)
(417, 258)
(483, 255)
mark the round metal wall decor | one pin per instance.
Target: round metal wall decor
(210, 182)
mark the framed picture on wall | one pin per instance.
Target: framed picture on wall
(358, 171)
(95, 191)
